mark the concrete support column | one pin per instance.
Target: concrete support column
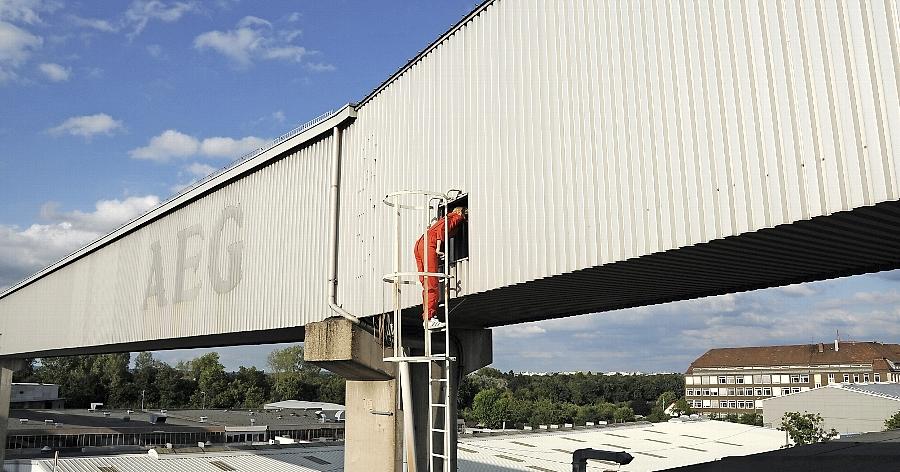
(7, 367)
(373, 428)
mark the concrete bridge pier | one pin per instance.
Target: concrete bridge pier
(374, 419)
(7, 368)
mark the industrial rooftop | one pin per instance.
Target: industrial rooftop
(177, 420)
(654, 447)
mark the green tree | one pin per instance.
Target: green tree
(805, 428)
(623, 414)
(289, 360)
(212, 383)
(753, 419)
(491, 407)
(892, 422)
(682, 408)
(665, 399)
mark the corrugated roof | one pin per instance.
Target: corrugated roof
(801, 354)
(654, 447)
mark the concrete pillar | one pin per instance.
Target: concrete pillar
(373, 428)
(7, 367)
(374, 425)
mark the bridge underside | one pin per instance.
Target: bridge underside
(847, 243)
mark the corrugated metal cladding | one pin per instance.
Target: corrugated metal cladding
(587, 134)
(593, 132)
(251, 259)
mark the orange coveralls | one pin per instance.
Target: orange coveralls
(429, 254)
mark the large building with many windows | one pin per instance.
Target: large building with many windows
(736, 380)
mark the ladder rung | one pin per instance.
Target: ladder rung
(439, 405)
(438, 380)
(434, 454)
(438, 430)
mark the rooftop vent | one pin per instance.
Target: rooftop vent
(23, 420)
(821, 348)
(48, 421)
(203, 419)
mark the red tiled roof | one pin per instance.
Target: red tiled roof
(802, 354)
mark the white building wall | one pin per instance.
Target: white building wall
(845, 411)
(592, 132)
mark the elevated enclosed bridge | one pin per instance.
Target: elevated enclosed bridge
(611, 154)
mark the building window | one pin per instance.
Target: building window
(818, 385)
(721, 379)
(865, 377)
(855, 378)
(846, 377)
(831, 378)
(804, 378)
(795, 379)
(877, 377)
(729, 379)
(730, 392)
(795, 389)
(767, 391)
(759, 391)
(739, 379)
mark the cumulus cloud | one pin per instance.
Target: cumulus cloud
(155, 50)
(55, 72)
(199, 170)
(98, 24)
(87, 126)
(252, 39)
(169, 144)
(320, 67)
(26, 11)
(25, 251)
(229, 147)
(798, 290)
(175, 144)
(16, 46)
(142, 12)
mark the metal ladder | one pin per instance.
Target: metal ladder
(439, 363)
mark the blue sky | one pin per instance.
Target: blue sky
(107, 108)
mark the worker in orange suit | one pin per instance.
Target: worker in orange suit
(427, 261)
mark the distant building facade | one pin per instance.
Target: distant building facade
(848, 408)
(736, 380)
(35, 396)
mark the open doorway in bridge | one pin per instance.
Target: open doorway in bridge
(459, 242)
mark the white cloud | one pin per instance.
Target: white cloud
(519, 331)
(278, 116)
(198, 169)
(798, 290)
(253, 39)
(55, 72)
(167, 145)
(25, 251)
(87, 126)
(16, 46)
(141, 12)
(320, 67)
(26, 11)
(175, 144)
(155, 50)
(229, 147)
(106, 216)
(94, 23)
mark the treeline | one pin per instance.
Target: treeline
(199, 383)
(491, 398)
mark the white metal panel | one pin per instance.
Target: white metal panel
(274, 221)
(592, 132)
